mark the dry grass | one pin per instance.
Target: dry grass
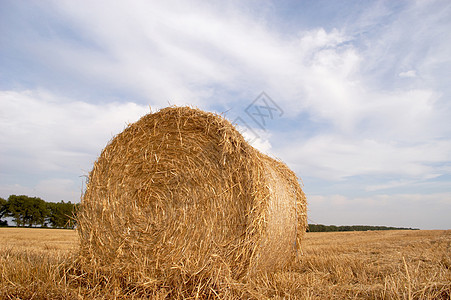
(33, 263)
(38, 264)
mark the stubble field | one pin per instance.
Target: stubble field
(39, 264)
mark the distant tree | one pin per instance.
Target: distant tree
(39, 212)
(328, 228)
(15, 209)
(26, 210)
(3, 203)
(61, 214)
(3, 210)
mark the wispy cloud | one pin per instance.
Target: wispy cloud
(44, 134)
(335, 158)
(185, 53)
(364, 96)
(408, 74)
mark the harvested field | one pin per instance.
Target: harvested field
(37, 264)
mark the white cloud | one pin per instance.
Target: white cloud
(257, 138)
(408, 74)
(41, 132)
(394, 40)
(335, 158)
(375, 92)
(199, 54)
(193, 53)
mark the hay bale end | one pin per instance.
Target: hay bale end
(180, 193)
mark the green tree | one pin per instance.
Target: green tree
(3, 203)
(26, 210)
(61, 214)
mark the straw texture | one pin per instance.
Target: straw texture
(180, 199)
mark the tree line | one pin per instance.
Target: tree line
(33, 211)
(332, 228)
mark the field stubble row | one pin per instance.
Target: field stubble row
(37, 264)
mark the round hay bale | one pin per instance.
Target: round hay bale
(181, 193)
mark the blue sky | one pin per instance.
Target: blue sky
(362, 86)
